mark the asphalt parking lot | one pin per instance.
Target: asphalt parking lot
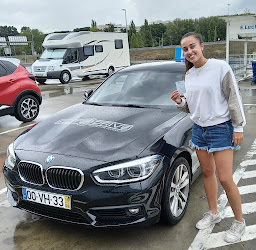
(21, 230)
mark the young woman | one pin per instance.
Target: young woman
(212, 98)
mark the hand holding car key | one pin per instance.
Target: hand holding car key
(175, 96)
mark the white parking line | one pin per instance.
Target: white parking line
(247, 208)
(3, 190)
(204, 238)
(249, 174)
(217, 239)
(8, 131)
(248, 163)
(247, 189)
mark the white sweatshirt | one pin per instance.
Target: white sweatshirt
(212, 95)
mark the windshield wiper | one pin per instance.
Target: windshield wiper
(93, 103)
(128, 105)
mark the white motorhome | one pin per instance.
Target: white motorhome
(79, 54)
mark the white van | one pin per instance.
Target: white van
(79, 54)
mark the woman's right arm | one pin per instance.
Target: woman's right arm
(180, 100)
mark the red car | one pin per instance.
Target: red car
(19, 94)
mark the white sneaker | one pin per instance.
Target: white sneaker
(208, 220)
(235, 232)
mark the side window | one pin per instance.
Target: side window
(88, 50)
(119, 44)
(3, 71)
(12, 67)
(71, 56)
(98, 48)
(74, 55)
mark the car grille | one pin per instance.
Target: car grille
(31, 172)
(39, 68)
(53, 213)
(111, 213)
(64, 178)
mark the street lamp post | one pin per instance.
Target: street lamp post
(227, 37)
(125, 20)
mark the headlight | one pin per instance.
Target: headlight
(51, 68)
(11, 158)
(132, 171)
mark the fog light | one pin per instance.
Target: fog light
(134, 210)
(12, 198)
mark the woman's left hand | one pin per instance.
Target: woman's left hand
(238, 138)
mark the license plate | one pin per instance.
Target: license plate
(38, 74)
(45, 198)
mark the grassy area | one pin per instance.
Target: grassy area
(210, 51)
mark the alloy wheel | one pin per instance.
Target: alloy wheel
(179, 190)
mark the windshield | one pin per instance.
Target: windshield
(53, 54)
(141, 88)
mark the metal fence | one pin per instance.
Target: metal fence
(241, 55)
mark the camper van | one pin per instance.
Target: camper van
(80, 54)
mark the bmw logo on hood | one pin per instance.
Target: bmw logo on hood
(50, 158)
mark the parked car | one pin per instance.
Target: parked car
(119, 158)
(19, 94)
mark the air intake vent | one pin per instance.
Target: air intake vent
(31, 172)
(64, 178)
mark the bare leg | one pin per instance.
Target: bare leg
(224, 163)
(210, 181)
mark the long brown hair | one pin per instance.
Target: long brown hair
(198, 36)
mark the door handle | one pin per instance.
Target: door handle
(11, 81)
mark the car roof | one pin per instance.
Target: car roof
(12, 60)
(169, 66)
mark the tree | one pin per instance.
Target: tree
(24, 28)
(140, 42)
(132, 29)
(82, 29)
(157, 29)
(133, 41)
(8, 31)
(146, 34)
(94, 26)
(111, 28)
(38, 38)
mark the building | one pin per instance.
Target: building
(241, 27)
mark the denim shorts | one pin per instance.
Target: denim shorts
(213, 138)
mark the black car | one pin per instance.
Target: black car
(119, 158)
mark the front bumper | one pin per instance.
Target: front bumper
(48, 75)
(53, 74)
(99, 206)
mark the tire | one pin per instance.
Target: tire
(176, 192)
(111, 71)
(85, 78)
(27, 108)
(41, 81)
(65, 77)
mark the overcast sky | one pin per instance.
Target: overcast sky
(55, 15)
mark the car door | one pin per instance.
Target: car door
(9, 86)
(88, 64)
(72, 62)
(100, 62)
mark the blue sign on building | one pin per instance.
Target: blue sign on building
(179, 55)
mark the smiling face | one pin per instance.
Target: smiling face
(193, 50)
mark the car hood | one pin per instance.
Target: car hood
(99, 132)
(47, 62)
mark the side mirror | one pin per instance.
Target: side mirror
(87, 93)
